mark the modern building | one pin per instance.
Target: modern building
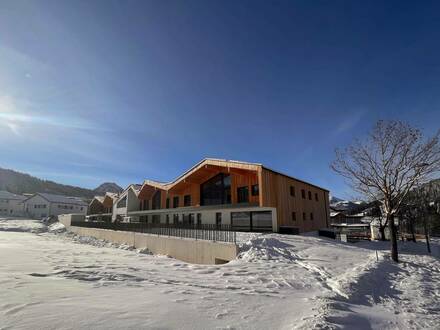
(126, 202)
(101, 207)
(42, 205)
(11, 204)
(246, 196)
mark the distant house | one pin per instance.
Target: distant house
(101, 207)
(126, 202)
(11, 204)
(41, 205)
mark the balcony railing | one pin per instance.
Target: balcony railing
(208, 232)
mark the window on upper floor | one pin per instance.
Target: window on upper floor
(216, 190)
(187, 200)
(303, 193)
(155, 201)
(122, 203)
(243, 194)
(292, 191)
(316, 197)
(176, 201)
(293, 216)
(310, 195)
(168, 203)
(311, 216)
(255, 190)
(304, 215)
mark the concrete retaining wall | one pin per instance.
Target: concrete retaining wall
(66, 219)
(189, 250)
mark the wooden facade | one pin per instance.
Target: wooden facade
(298, 204)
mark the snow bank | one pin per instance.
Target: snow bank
(22, 225)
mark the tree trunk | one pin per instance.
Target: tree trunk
(428, 245)
(411, 228)
(393, 232)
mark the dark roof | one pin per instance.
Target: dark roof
(61, 199)
(7, 195)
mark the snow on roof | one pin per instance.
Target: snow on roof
(62, 199)
(7, 195)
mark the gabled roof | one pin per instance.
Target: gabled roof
(223, 163)
(60, 199)
(7, 195)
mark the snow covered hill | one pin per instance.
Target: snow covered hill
(345, 205)
(57, 281)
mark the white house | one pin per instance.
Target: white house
(127, 202)
(11, 204)
(42, 205)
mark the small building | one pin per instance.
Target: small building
(42, 205)
(101, 207)
(126, 202)
(11, 204)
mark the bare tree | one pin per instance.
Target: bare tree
(388, 165)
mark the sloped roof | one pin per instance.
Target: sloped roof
(7, 195)
(223, 162)
(61, 199)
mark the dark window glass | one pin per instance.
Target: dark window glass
(310, 195)
(261, 221)
(122, 203)
(311, 216)
(168, 203)
(168, 219)
(316, 196)
(216, 190)
(175, 219)
(155, 201)
(191, 218)
(255, 190)
(218, 218)
(292, 191)
(243, 195)
(176, 201)
(199, 219)
(187, 200)
(303, 193)
(293, 216)
(304, 215)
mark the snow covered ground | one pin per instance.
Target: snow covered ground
(50, 279)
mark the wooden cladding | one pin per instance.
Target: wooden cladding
(278, 191)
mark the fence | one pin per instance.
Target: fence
(219, 233)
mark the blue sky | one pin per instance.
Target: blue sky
(94, 91)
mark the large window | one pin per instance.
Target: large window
(216, 190)
(168, 203)
(243, 195)
(249, 221)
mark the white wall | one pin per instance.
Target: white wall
(51, 209)
(132, 204)
(33, 211)
(11, 207)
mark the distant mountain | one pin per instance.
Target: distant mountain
(20, 183)
(108, 187)
(345, 205)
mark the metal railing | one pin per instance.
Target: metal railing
(208, 232)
